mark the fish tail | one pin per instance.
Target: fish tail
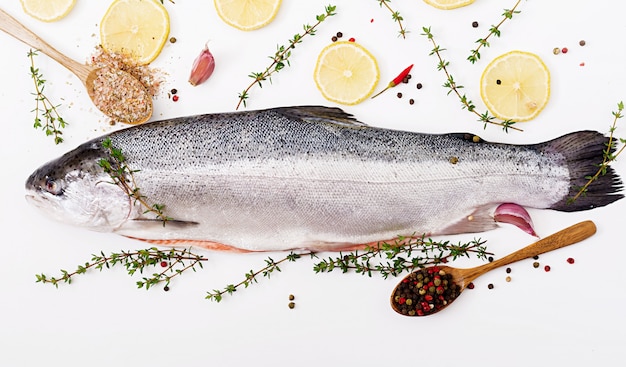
(584, 152)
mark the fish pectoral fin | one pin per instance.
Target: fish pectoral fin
(155, 225)
(480, 220)
(321, 114)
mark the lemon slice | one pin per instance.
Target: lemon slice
(448, 4)
(247, 15)
(47, 10)
(346, 73)
(138, 28)
(515, 86)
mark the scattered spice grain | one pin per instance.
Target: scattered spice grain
(546, 268)
(582, 42)
(163, 264)
(172, 39)
(570, 260)
(291, 297)
(334, 38)
(490, 258)
(508, 270)
(339, 34)
(166, 288)
(399, 95)
(564, 50)
(535, 264)
(508, 279)
(536, 257)
(411, 101)
(556, 50)
(490, 286)
(470, 286)
(419, 85)
(175, 98)
(174, 91)
(352, 39)
(475, 24)
(291, 305)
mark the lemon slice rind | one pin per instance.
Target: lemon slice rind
(515, 86)
(247, 15)
(448, 4)
(351, 77)
(138, 28)
(47, 10)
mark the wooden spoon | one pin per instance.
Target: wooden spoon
(463, 277)
(92, 78)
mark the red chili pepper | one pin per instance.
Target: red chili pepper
(397, 80)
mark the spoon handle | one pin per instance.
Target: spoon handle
(562, 238)
(16, 29)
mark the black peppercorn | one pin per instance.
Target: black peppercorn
(475, 24)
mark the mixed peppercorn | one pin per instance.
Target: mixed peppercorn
(424, 292)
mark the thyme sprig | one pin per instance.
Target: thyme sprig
(607, 155)
(453, 86)
(174, 263)
(124, 177)
(44, 108)
(395, 15)
(493, 31)
(405, 254)
(280, 59)
(251, 277)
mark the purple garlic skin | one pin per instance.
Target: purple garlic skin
(516, 215)
(202, 68)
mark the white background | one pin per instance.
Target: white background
(572, 315)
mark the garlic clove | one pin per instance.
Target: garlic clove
(202, 68)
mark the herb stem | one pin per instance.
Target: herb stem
(135, 261)
(608, 157)
(405, 254)
(124, 177)
(395, 16)
(251, 277)
(281, 57)
(453, 86)
(493, 31)
(54, 121)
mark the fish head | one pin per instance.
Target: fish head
(76, 190)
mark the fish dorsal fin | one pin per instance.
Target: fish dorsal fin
(321, 114)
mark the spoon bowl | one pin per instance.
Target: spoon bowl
(454, 280)
(103, 84)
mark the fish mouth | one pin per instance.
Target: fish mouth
(35, 200)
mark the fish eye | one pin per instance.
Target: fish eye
(52, 186)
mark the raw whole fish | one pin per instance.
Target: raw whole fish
(313, 178)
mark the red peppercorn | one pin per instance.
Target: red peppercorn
(570, 260)
(163, 264)
(175, 98)
(351, 39)
(546, 268)
(402, 300)
(470, 286)
(564, 50)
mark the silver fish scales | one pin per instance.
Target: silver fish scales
(312, 177)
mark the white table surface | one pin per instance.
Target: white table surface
(572, 315)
